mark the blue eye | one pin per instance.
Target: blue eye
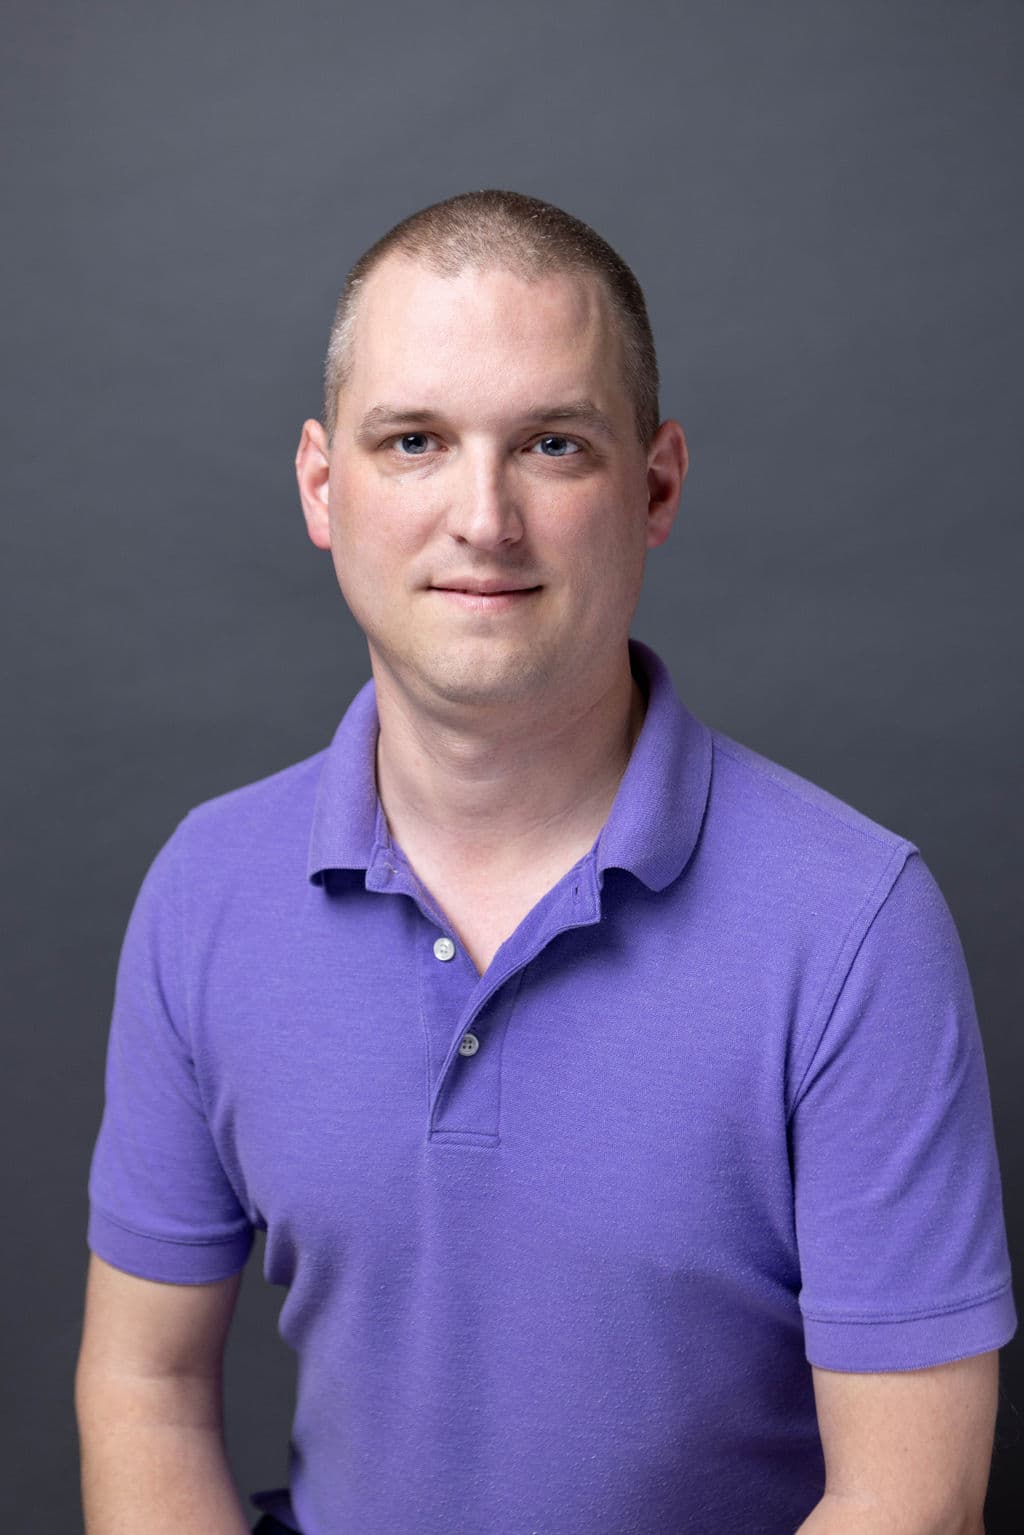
(412, 437)
(416, 444)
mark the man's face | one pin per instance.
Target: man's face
(453, 465)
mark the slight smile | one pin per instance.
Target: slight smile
(487, 602)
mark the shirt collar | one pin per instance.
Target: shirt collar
(652, 827)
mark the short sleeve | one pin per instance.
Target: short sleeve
(160, 1203)
(898, 1199)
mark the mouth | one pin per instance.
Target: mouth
(487, 602)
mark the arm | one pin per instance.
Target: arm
(906, 1452)
(148, 1399)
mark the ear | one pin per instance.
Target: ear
(313, 472)
(667, 463)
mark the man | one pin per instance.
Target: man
(612, 1098)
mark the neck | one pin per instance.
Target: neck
(504, 792)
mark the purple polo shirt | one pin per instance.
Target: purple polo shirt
(561, 1241)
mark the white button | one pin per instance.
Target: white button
(470, 1045)
(444, 948)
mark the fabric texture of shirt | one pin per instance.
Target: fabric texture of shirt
(560, 1242)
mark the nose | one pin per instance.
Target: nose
(482, 505)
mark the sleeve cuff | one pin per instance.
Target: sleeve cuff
(173, 1262)
(911, 1343)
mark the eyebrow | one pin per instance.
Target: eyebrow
(585, 411)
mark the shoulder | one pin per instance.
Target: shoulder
(262, 801)
(806, 853)
(777, 805)
(257, 827)
(789, 803)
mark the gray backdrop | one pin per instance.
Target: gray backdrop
(822, 202)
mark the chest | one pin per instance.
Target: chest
(485, 911)
(484, 917)
(481, 925)
(618, 1092)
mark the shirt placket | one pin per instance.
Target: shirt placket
(465, 1016)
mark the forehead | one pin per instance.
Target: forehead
(483, 330)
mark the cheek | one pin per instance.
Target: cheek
(603, 542)
(377, 542)
(372, 531)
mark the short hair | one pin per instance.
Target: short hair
(513, 232)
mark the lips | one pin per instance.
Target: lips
(499, 600)
(486, 589)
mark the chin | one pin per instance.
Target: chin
(474, 678)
